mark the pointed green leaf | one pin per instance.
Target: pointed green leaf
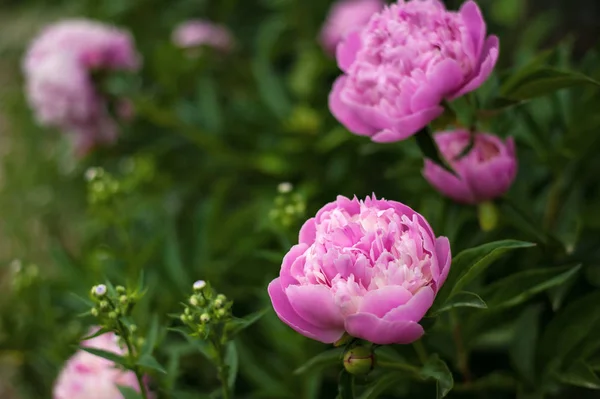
(517, 288)
(113, 357)
(99, 332)
(382, 384)
(461, 300)
(232, 361)
(345, 385)
(322, 360)
(580, 374)
(149, 362)
(151, 337)
(237, 325)
(436, 369)
(129, 393)
(544, 81)
(430, 150)
(468, 264)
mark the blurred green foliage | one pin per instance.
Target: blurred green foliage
(193, 182)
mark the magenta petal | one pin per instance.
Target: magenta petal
(447, 183)
(346, 50)
(286, 266)
(408, 126)
(308, 232)
(446, 77)
(344, 113)
(489, 57)
(444, 257)
(471, 15)
(371, 328)
(382, 300)
(415, 308)
(315, 304)
(288, 315)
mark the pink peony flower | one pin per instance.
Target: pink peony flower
(370, 268)
(195, 33)
(86, 376)
(408, 59)
(344, 17)
(485, 173)
(58, 69)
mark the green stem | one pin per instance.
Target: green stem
(421, 351)
(462, 356)
(222, 369)
(398, 366)
(136, 370)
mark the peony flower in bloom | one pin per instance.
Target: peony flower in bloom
(196, 32)
(485, 173)
(59, 67)
(370, 268)
(400, 67)
(86, 376)
(344, 17)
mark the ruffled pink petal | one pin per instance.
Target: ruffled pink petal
(381, 301)
(471, 15)
(316, 305)
(373, 329)
(308, 232)
(414, 309)
(490, 54)
(408, 126)
(288, 260)
(345, 114)
(346, 50)
(447, 183)
(288, 315)
(444, 258)
(446, 77)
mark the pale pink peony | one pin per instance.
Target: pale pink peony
(196, 32)
(86, 376)
(344, 17)
(370, 268)
(58, 69)
(486, 172)
(408, 59)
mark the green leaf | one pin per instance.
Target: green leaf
(543, 81)
(129, 392)
(517, 288)
(430, 150)
(95, 334)
(345, 385)
(202, 346)
(580, 374)
(523, 346)
(461, 300)
(113, 357)
(148, 361)
(322, 360)
(174, 264)
(151, 337)
(382, 384)
(232, 362)
(438, 370)
(468, 264)
(237, 325)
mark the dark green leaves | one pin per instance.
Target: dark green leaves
(531, 83)
(580, 374)
(345, 385)
(113, 357)
(129, 393)
(149, 362)
(461, 300)
(436, 369)
(237, 325)
(429, 149)
(322, 360)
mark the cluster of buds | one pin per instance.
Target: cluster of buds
(289, 206)
(23, 276)
(102, 186)
(206, 312)
(112, 305)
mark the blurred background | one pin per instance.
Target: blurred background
(199, 167)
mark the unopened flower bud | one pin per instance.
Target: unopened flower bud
(218, 303)
(99, 290)
(120, 289)
(103, 305)
(183, 318)
(285, 187)
(94, 312)
(113, 315)
(123, 299)
(133, 328)
(359, 360)
(187, 311)
(193, 300)
(141, 341)
(221, 313)
(221, 297)
(199, 285)
(204, 318)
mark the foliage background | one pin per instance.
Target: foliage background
(199, 169)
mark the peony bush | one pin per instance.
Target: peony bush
(187, 209)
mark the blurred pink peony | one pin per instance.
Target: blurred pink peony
(196, 32)
(485, 173)
(86, 376)
(58, 70)
(370, 268)
(408, 59)
(344, 17)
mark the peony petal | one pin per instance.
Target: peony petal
(414, 309)
(471, 15)
(288, 315)
(346, 50)
(446, 77)
(488, 61)
(288, 260)
(444, 258)
(371, 328)
(316, 305)
(447, 183)
(344, 113)
(308, 232)
(381, 301)
(408, 126)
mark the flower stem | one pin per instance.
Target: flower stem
(222, 369)
(398, 366)
(421, 351)
(462, 356)
(136, 370)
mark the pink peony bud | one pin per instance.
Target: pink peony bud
(86, 376)
(58, 70)
(401, 66)
(195, 33)
(485, 173)
(344, 17)
(370, 268)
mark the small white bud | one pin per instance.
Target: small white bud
(285, 187)
(204, 318)
(199, 285)
(99, 290)
(193, 300)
